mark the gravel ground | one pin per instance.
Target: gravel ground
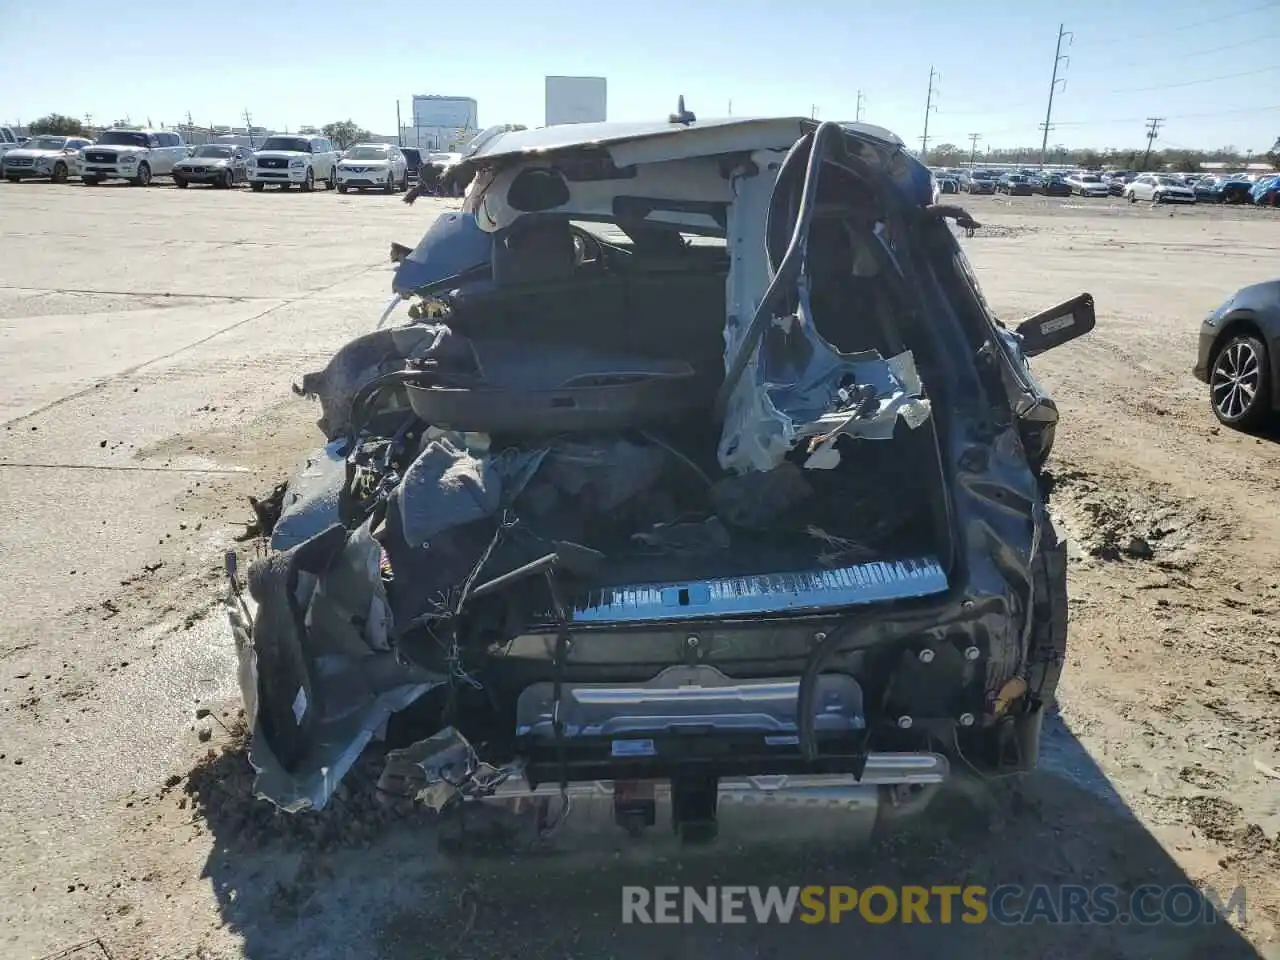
(148, 338)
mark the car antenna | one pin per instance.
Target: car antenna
(681, 116)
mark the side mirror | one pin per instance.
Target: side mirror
(1057, 325)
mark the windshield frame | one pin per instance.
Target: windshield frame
(34, 143)
(294, 141)
(226, 152)
(375, 153)
(123, 138)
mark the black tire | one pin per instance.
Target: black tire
(14, 179)
(180, 183)
(59, 172)
(404, 182)
(1133, 197)
(1240, 382)
(90, 181)
(228, 180)
(332, 182)
(342, 188)
(390, 186)
(257, 186)
(308, 182)
(143, 179)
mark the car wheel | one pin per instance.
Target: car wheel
(143, 179)
(1240, 383)
(308, 182)
(390, 186)
(59, 172)
(332, 182)
(13, 179)
(257, 187)
(228, 180)
(180, 183)
(1133, 198)
(342, 188)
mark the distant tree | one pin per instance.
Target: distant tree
(944, 155)
(57, 124)
(1273, 155)
(345, 132)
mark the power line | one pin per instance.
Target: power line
(1127, 39)
(1195, 53)
(1058, 57)
(1173, 116)
(1192, 83)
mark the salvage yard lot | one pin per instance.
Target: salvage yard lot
(148, 340)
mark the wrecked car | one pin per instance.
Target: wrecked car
(699, 462)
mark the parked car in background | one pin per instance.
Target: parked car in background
(948, 181)
(133, 155)
(1088, 185)
(287, 161)
(45, 157)
(1266, 192)
(8, 140)
(1053, 185)
(1116, 182)
(1015, 185)
(368, 166)
(1208, 189)
(1159, 188)
(413, 163)
(219, 164)
(978, 181)
(1238, 353)
(1237, 188)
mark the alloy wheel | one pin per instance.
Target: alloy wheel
(1236, 380)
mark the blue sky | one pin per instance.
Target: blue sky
(1211, 69)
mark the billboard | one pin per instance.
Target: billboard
(459, 113)
(576, 100)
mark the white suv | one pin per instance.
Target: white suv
(288, 160)
(367, 165)
(133, 155)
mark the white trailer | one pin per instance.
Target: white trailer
(576, 100)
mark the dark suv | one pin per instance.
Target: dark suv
(700, 469)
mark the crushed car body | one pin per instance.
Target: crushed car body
(699, 460)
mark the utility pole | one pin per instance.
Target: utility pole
(730, 108)
(1153, 131)
(973, 147)
(857, 116)
(399, 129)
(928, 109)
(1058, 58)
(813, 111)
(248, 126)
